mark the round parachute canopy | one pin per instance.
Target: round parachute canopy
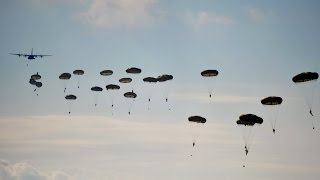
(197, 119)
(130, 95)
(112, 87)
(78, 72)
(125, 80)
(209, 73)
(96, 88)
(133, 70)
(164, 78)
(271, 100)
(71, 97)
(32, 82)
(106, 73)
(249, 120)
(65, 76)
(150, 79)
(39, 84)
(36, 76)
(305, 76)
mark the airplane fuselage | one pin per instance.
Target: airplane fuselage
(31, 57)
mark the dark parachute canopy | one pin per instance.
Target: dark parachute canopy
(150, 80)
(249, 120)
(32, 81)
(36, 76)
(69, 99)
(271, 100)
(65, 77)
(38, 84)
(209, 73)
(272, 104)
(133, 70)
(125, 80)
(130, 95)
(197, 119)
(306, 82)
(164, 77)
(106, 72)
(305, 76)
(96, 88)
(78, 72)
(112, 87)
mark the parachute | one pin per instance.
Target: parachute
(134, 72)
(96, 90)
(150, 81)
(78, 73)
(65, 78)
(125, 80)
(208, 74)
(130, 97)
(248, 122)
(105, 74)
(306, 81)
(36, 77)
(112, 89)
(70, 98)
(166, 81)
(272, 104)
(196, 123)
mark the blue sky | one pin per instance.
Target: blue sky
(257, 46)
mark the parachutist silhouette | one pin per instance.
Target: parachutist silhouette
(64, 90)
(166, 99)
(247, 151)
(274, 131)
(191, 155)
(112, 105)
(210, 95)
(149, 99)
(95, 104)
(311, 112)
(193, 144)
(69, 112)
(78, 87)
(243, 166)
(37, 94)
(129, 112)
(34, 90)
(312, 127)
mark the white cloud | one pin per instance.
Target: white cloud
(204, 18)
(119, 13)
(257, 14)
(24, 171)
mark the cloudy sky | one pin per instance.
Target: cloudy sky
(256, 46)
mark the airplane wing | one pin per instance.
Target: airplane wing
(24, 55)
(41, 55)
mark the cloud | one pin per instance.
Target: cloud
(24, 171)
(120, 13)
(203, 18)
(257, 14)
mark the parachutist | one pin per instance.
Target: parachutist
(274, 131)
(95, 104)
(34, 90)
(69, 112)
(243, 166)
(246, 152)
(129, 112)
(78, 87)
(149, 99)
(191, 155)
(311, 112)
(312, 127)
(193, 144)
(166, 99)
(210, 95)
(112, 105)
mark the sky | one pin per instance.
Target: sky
(257, 47)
